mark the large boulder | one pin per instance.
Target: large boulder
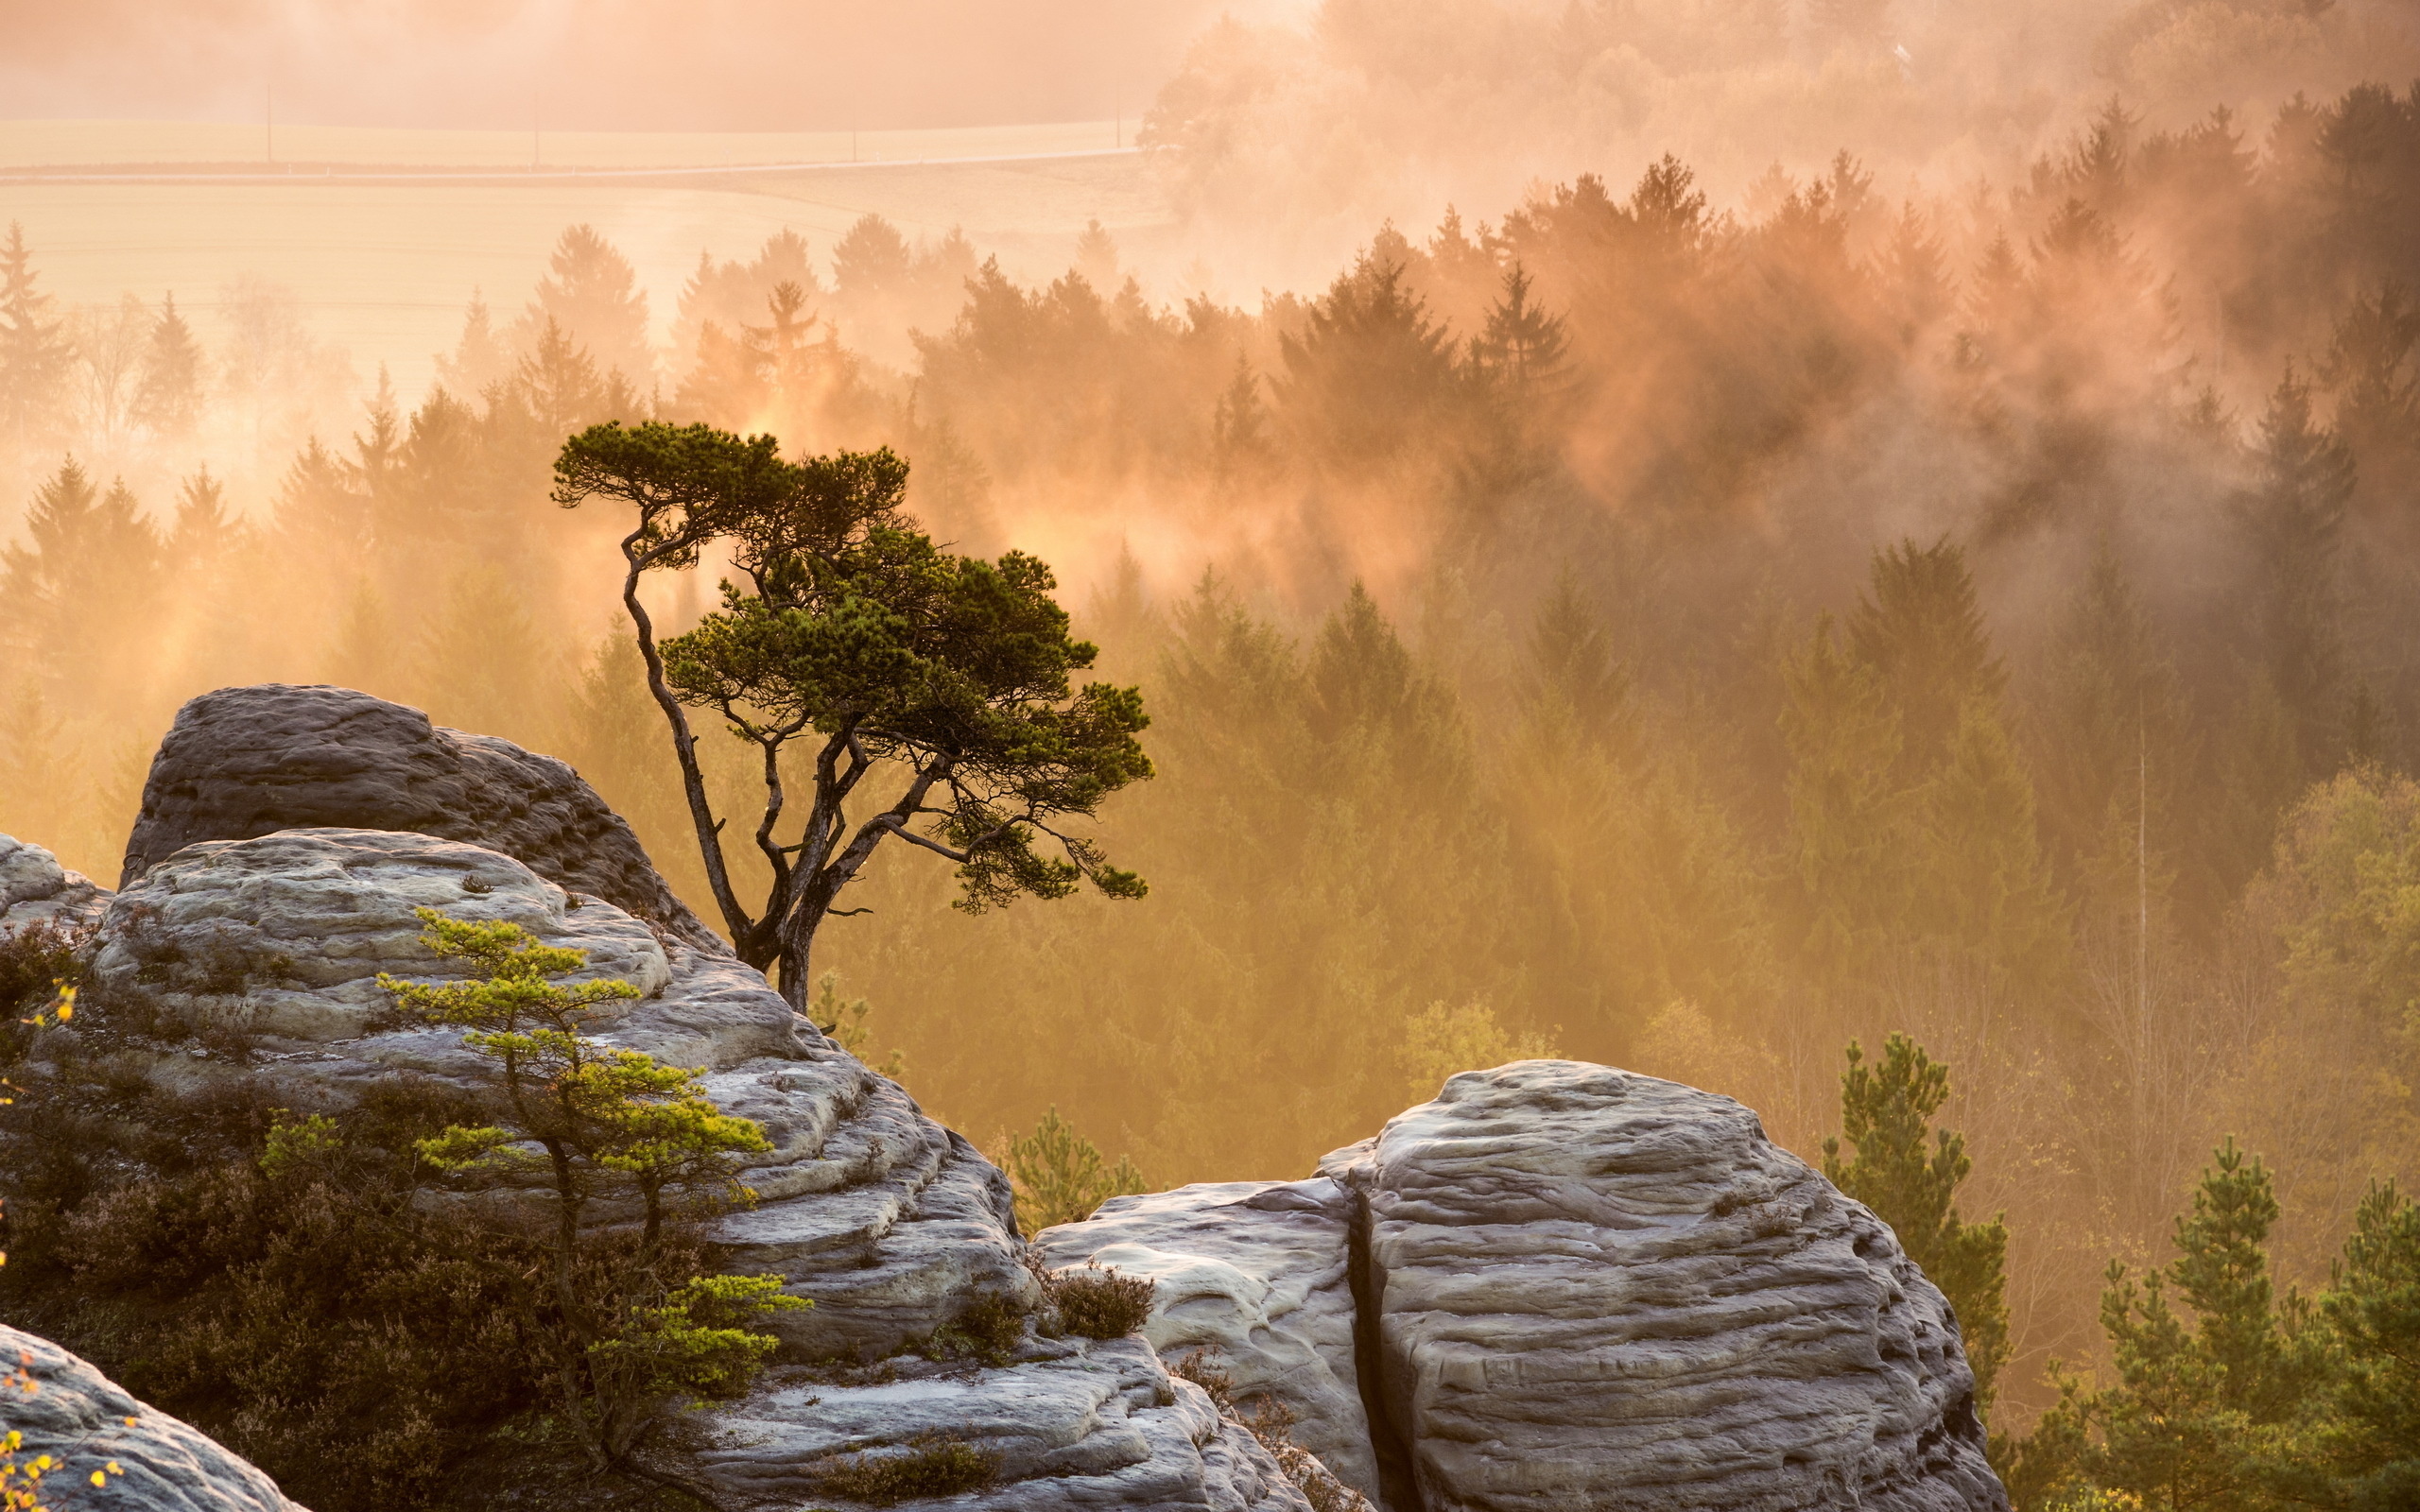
(1574, 1287)
(36, 889)
(252, 965)
(1074, 1424)
(255, 962)
(1261, 1273)
(67, 1409)
(247, 761)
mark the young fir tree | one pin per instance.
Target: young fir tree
(1909, 1173)
(1061, 1176)
(2205, 1411)
(849, 632)
(594, 1125)
(168, 400)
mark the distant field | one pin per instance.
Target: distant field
(37, 144)
(385, 269)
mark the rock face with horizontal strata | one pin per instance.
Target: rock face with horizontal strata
(1595, 1288)
(36, 889)
(67, 1409)
(1073, 1424)
(247, 761)
(256, 961)
(1259, 1271)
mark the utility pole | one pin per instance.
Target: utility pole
(268, 122)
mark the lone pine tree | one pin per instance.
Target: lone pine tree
(851, 633)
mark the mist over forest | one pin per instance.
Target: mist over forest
(1675, 536)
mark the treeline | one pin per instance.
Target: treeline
(1680, 638)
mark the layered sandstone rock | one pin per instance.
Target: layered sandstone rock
(1074, 1424)
(1259, 1272)
(245, 762)
(1571, 1286)
(67, 1409)
(1556, 1285)
(257, 961)
(36, 889)
(1593, 1288)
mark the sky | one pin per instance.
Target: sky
(653, 65)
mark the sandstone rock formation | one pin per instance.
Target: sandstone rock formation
(1581, 1287)
(1074, 1424)
(1556, 1285)
(67, 1409)
(247, 761)
(35, 889)
(257, 960)
(1259, 1271)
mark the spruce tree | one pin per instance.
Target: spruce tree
(1848, 813)
(1242, 453)
(83, 586)
(203, 531)
(1983, 888)
(167, 400)
(590, 297)
(2373, 1307)
(34, 349)
(1909, 1173)
(1919, 626)
(481, 360)
(1523, 348)
(1370, 369)
(2211, 1410)
(872, 262)
(2292, 522)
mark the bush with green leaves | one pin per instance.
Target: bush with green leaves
(926, 1467)
(1097, 1302)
